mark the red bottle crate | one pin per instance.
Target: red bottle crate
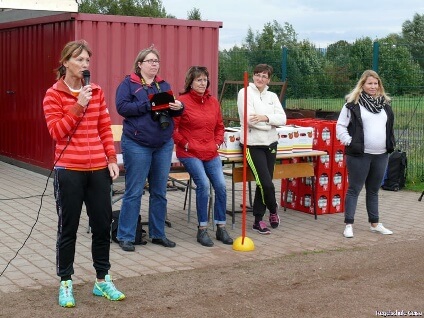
(337, 202)
(338, 158)
(337, 181)
(289, 193)
(324, 135)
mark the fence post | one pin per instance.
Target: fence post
(375, 53)
(284, 73)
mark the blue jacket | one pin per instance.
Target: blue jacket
(132, 103)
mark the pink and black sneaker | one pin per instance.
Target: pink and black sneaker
(261, 228)
(274, 220)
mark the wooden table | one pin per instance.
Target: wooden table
(281, 171)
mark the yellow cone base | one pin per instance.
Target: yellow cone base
(246, 246)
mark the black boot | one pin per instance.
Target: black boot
(203, 237)
(222, 235)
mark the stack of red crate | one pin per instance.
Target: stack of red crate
(330, 173)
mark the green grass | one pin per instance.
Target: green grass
(415, 186)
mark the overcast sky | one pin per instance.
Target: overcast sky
(322, 22)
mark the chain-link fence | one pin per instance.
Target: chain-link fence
(318, 79)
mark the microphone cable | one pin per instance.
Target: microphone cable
(19, 198)
(42, 195)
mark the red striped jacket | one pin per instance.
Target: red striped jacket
(87, 136)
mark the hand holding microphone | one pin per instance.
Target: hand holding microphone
(86, 92)
(86, 76)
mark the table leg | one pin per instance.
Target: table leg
(313, 196)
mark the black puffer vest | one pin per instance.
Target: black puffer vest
(356, 130)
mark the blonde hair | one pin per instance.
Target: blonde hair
(353, 96)
(71, 49)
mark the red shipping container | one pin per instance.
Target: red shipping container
(32, 45)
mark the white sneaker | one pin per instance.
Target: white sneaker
(348, 232)
(380, 229)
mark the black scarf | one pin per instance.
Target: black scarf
(374, 105)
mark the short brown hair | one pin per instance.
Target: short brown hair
(263, 68)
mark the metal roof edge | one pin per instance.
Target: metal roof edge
(38, 20)
(148, 20)
(109, 18)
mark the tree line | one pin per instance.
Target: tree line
(140, 8)
(311, 71)
(332, 71)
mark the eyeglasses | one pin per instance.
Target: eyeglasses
(151, 62)
(261, 76)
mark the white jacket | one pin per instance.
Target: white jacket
(261, 103)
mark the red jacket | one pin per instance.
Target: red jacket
(91, 146)
(200, 126)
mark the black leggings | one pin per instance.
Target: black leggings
(261, 160)
(72, 189)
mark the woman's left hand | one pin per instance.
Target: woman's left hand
(113, 170)
(177, 105)
(255, 118)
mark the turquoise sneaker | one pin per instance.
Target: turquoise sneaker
(66, 294)
(107, 289)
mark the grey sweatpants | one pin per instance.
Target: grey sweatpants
(366, 170)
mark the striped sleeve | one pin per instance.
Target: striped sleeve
(60, 122)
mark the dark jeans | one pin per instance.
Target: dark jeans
(367, 170)
(72, 189)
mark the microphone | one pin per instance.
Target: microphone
(86, 76)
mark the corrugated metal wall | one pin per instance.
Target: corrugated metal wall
(29, 53)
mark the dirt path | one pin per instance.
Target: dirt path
(343, 283)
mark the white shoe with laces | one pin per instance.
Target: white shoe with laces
(348, 232)
(380, 229)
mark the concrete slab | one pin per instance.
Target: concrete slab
(28, 234)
